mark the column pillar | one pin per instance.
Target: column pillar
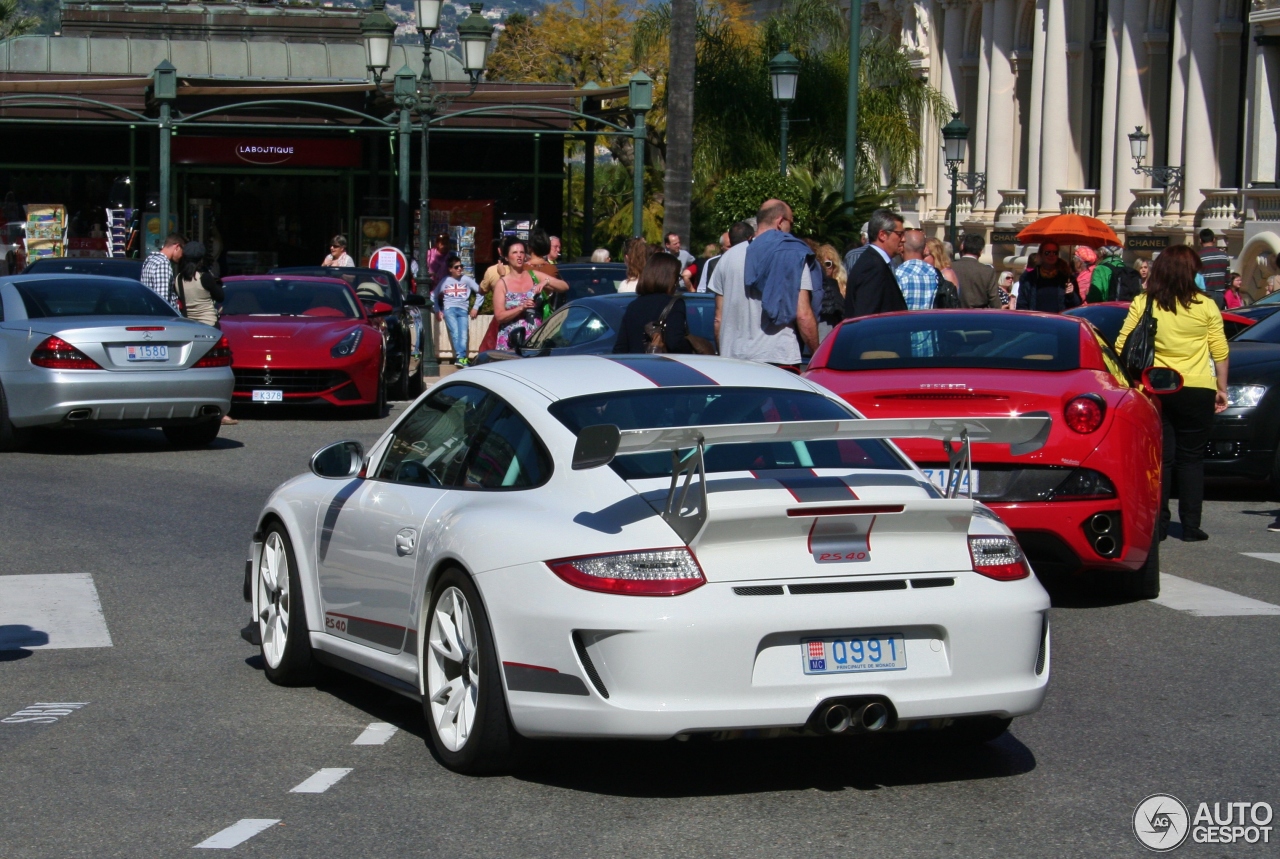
(1199, 150)
(1131, 105)
(1107, 168)
(1035, 130)
(1002, 117)
(1055, 131)
(951, 83)
(1264, 74)
(982, 115)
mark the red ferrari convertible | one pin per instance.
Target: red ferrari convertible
(1089, 499)
(303, 340)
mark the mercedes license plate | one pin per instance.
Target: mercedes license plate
(938, 477)
(268, 396)
(881, 651)
(148, 352)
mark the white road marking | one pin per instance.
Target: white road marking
(1263, 556)
(49, 611)
(1206, 601)
(376, 734)
(42, 713)
(322, 781)
(237, 833)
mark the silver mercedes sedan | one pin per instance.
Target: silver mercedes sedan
(106, 352)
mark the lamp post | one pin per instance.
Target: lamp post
(164, 89)
(377, 30)
(784, 72)
(640, 100)
(1169, 178)
(955, 139)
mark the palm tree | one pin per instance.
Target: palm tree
(14, 21)
(680, 95)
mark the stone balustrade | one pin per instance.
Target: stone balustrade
(1261, 204)
(1148, 206)
(964, 205)
(1220, 210)
(1078, 201)
(909, 199)
(1012, 208)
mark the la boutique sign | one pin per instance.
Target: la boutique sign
(258, 153)
(267, 151)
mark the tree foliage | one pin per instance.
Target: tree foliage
(739, 196)
(16, 19)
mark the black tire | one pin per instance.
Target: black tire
(490, 744)
(194, 435)
(976, 730)
(417, 383)
(379, 407)
(286, 658)
(11, 438)
(404, 385)
(1144, 582)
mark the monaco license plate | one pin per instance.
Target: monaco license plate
(881, 651)
(938, 477)
(268, 396)
(147, 352)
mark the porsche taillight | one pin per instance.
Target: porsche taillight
(54, 353)
(218, 356)
(654, 573)
(998, 558)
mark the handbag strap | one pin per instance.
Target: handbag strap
(662, 317)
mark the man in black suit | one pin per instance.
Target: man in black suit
(872, 288)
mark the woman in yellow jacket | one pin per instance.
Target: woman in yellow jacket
(1189, 339)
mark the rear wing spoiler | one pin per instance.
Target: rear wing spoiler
(598, 445)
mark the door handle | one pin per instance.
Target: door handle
(406, 541)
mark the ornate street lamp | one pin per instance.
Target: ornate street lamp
(784, 72)
(955, 140)
(427, 13)
(377, 30)
(1169, 178)
(475, 33)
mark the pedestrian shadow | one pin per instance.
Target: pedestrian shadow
(91, 442)
(671, 769)
(15, 637)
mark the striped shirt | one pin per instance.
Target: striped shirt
(919, 283)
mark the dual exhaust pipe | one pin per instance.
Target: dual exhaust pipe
(859, 717)
(1104, 533)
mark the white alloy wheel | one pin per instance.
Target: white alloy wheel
(453, 669)
(273, 599)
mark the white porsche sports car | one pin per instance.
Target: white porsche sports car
(651, 546)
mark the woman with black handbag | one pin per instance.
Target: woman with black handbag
(1175, 325)
(656, 321)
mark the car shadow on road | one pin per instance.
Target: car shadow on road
(91, 442)
(713, 768)
(332, 414)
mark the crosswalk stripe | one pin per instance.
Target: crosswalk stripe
(1207, 601)
(49, 611)
(237, 833)
(1263, 556)
(376, 734)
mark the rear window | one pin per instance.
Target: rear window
(89, 297)
(680, 407)
(986, 339)
(286, 297)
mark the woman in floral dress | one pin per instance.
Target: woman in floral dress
(513, 298)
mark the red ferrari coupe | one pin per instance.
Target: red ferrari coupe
(303, 340)
(1089, 499)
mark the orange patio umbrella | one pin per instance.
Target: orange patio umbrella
(1069, 230)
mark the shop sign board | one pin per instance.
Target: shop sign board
(267, 151)
(1004, 237)
(1146, 243)
(390, 259)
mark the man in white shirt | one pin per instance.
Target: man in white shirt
(672, 245)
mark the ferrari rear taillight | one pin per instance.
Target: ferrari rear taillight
(998, 558)
(218, 356)
(656, 573)
(1084, 414)
(57, 354)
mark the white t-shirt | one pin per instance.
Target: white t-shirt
(743, 331)
(628, 285)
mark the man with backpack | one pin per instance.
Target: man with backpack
(1102, 283)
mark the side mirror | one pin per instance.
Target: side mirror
(1161, 380)
(415, 300)
(341, 460)
(597, 445)
(381, 308)
(516, 340)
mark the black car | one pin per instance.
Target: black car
(1245, 439)
(404, 328)
(106, 267)
(586, 279)
(589, 326)
(1108, 317)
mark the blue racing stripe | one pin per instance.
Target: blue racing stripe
(663, 371)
